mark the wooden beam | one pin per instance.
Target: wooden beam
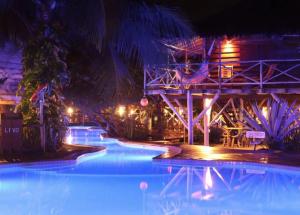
(190, 115)
(180, 105)
(206, 120)
(241, 110)
(275, 97)
(220, 112)
(174, 110)
(227, 116)
(198, 126)
(262, 103)
(205, 109)
(234, 109)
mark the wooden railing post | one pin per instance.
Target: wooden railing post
(190, 117)
(260, 75)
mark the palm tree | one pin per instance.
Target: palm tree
(124, 33)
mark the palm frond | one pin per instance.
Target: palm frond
(16, 19)
(86, 18)
(141, 29)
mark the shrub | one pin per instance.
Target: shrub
(280, 123)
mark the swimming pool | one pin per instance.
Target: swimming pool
(125, 180)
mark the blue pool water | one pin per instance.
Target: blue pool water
(125, 180)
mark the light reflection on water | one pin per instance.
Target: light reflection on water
(125, 181)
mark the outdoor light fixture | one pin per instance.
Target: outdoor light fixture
(144, 101)
(131, 112)
(228, 47)
(70, 111)
(121, 110)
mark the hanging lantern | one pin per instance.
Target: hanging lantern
(144, 101)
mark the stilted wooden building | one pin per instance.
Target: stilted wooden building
(224, 75)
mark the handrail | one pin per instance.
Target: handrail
(255, 73)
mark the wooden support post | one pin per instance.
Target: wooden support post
(206, 119)
(180, 106)
(241, 110)
(174, 110)
(241, 121)
(261, 75)
(204, 110)
(220, 112)
(190, 117)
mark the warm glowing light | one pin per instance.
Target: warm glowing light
(207, 103)
(131, 112)
(69, 139)
(265, 112)
(209, 154)
(228, 47)
(121, 110)
(207, 149)
(208, 183)
(226, 71)
(166, 111)
(180, 111)
(155, 118)
(70, 111)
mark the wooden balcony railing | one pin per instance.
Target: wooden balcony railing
(258, 75)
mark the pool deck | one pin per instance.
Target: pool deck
(176, 153)
(66, 152)
(221, 154)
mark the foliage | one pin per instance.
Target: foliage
(279, 124)
(126, 34)
(44, 63)
(111, 73)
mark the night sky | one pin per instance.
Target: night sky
(240, 16)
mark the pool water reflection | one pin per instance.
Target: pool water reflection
(124, 180)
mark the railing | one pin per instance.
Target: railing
(259, 74)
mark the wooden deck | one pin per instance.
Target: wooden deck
(219, 155)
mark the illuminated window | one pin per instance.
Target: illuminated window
(226, 71)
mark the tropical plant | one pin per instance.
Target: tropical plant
(279, 123)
